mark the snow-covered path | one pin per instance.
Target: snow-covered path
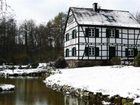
(110, 80)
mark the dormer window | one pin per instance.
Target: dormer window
(109, 18)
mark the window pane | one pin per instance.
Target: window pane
(67, 37)
(67, 52)
(74, 51)
(73, 34)
(92, 51)
(130, 52)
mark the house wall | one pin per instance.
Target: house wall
(72, 42)
(128, 38)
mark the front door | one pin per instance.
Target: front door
(112, 52)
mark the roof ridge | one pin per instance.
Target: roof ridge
(99, 9)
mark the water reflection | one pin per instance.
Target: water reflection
(70, 100)
(32, 91)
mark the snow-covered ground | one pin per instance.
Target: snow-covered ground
(109, 80)
(7, 87)
(21, 71)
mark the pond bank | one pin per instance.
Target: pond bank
(91, 97)
(106, 83)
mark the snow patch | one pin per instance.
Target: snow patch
(109, 80)
(7, 87)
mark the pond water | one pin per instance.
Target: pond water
(32, 91)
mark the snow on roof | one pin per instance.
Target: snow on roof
(104, 17)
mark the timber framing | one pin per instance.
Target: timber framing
(116, 43)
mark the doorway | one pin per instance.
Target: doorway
(112, 52)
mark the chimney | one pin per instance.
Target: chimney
(95, 7)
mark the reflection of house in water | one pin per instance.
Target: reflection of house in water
(69, 100)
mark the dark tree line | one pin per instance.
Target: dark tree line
(31, 43)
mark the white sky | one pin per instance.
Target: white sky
(44, 10)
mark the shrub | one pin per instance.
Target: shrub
(60, 63)
(137, 60)
(34, 65)
(2, 61)
(115, 61)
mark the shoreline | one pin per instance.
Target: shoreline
(94, 98)
(106, 83)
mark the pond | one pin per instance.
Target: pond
(32, 91)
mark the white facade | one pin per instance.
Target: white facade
(103, 41)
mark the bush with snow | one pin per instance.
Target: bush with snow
(116, 61)
(60, 63)
(34, 65)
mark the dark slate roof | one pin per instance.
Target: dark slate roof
(104, 17)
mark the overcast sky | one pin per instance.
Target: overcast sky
(44, 10)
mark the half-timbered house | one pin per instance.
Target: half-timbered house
(94, 35)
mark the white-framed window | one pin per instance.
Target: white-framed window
(67, 37)
(130, 52)
(74, 51)
(112, 33)
(67, 53)
(91, 32)
(74, 34)
(91, 51)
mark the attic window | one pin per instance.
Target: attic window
(110, 18)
